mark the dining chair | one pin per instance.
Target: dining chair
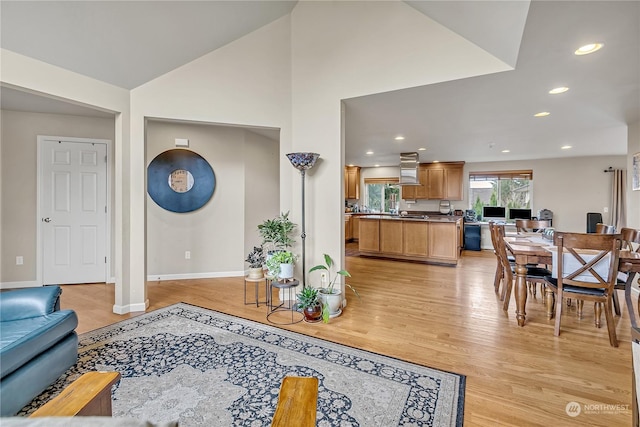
(586, 267)
(534, 274)
(499, 276)
(531, 225)
(630, 242)
(605, 229)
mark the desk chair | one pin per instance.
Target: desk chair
(586, 276)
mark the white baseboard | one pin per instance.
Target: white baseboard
(17, 285)
(186, 276)
(129, 308)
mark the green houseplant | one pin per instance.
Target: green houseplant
(256, 260)
(330, 296)
(309, 302)
(277, 233)
(280, 264)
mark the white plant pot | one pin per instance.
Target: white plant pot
(286, 271)
(333, 300)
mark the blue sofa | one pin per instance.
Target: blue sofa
(38, 343)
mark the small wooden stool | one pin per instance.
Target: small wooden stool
(297, 403)
(89, 395)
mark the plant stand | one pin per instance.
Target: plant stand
(256, 283)
(274, 312)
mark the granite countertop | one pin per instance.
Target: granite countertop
(440, 218)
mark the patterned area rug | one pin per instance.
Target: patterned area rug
(205, 368)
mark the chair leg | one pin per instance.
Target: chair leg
(506, 292)
(498, 277)
(597, 308)
(616, 303)
(549, 301)
(580, 306)
(611, 327)
(559, 298)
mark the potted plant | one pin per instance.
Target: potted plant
(256, 260)
(276, 233)
(330, 296)
(280, 264)
(310, 305)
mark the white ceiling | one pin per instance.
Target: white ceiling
(127, 43)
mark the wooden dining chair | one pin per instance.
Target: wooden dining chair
(605, 229)
(586, 267)
(531, 225)
(534, 274)
(630, 242)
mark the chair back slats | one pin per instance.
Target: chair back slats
(531, 225)
(631, 238)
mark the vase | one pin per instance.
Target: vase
(313, 314)
(286, 271)
(256, 273)
(333, 300)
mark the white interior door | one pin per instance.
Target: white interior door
(73, 201)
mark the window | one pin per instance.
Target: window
(382, 195)
(510, 189)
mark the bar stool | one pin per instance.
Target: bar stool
(288, 286)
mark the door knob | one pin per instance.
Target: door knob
(46, 219)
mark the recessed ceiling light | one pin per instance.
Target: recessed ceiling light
(436, 161)
(506, 151)
(350, 165)
(399, 138)
(588, 48)
(377, 166)
(542, 114)
(565, 147)
(557, 90)
(369, 152)
(421, 149)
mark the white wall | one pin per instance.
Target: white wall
(244, 164)
(18, 145)
(633, 146)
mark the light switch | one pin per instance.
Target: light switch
(182, 142)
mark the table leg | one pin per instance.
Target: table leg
(521, 293)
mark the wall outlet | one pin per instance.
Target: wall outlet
(605, 209)
(323, 278)
(187, 254)
(19, 260)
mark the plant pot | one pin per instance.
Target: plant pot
(286, 271)
(333, 300)
(256, 273)
(313, 314)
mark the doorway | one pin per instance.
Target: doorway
(72, 210)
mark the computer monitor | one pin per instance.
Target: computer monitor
(519, 213)
(494, 212)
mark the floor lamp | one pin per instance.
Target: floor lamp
(302, 162)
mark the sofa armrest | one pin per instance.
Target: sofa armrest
(30, 302)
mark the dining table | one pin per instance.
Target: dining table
(533, 248)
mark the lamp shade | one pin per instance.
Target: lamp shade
(303, 161)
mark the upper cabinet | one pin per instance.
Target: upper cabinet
(438, 181)
(352, 182)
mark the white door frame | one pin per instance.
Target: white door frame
(39, 244)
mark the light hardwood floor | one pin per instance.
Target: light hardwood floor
(447, 318)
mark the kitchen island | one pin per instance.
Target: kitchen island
(435, 239)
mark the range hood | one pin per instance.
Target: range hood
(409, 169)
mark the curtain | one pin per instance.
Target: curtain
(619, 201)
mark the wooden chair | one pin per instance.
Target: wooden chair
(605, 229)
(630, 238)
(531, 225)
(577, 266)
(534, 274)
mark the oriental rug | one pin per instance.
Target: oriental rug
(205, 368)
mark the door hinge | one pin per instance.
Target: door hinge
(105, 260)
(105, 209)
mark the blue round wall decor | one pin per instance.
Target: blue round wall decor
(180, 180)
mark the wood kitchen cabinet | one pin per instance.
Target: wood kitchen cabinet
(391, 237)
(355, 227)
(347, 228)
(415, 238)
(438, 181)
(369, 235)
(352, 182)
(443, 240)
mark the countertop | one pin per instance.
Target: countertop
(441, 218)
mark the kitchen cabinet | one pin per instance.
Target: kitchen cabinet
(438, 181)
(391, 237)
(369, 235)
(430, 240)
(355, 227)
(347, 228)
(352, 182)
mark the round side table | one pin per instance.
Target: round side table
(288, 287)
